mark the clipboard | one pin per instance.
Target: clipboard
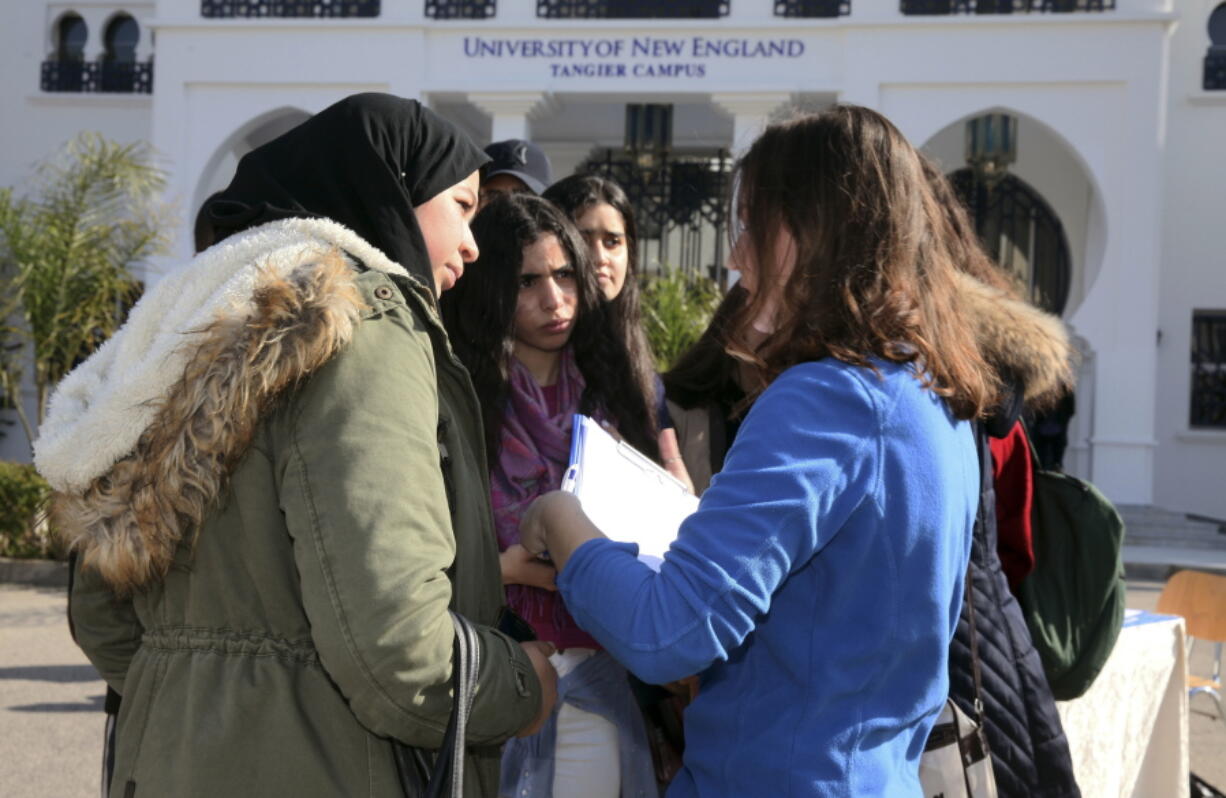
(627, 496)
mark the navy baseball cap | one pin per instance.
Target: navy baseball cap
(521, 159)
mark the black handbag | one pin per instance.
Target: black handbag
(434, 774)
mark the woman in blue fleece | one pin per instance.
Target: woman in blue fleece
(817, 587)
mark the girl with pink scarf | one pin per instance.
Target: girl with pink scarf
(528, 321)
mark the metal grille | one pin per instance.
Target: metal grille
(680, 206)
(1215, 70)
(289, 8)
(1208, 369)
(461, 9)
(632, 9)
(812, 8)
(108, 77)
(1021, 232)
(923, 7)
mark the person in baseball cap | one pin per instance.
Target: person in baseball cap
(515, 165)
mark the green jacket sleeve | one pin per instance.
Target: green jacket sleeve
(106, 628)
(364, 501)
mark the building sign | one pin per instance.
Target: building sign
(631, 56)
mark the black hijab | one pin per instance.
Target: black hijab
(364, 162)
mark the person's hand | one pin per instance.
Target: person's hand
(522, 567)
(538, 652)
(542, 514)
(670, 457)
(555, 523)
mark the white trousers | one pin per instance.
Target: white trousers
(586, 756)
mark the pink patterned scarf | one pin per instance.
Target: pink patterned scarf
(535, 453)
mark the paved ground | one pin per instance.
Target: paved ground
(51, 701)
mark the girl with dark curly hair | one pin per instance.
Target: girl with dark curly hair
(529, 321)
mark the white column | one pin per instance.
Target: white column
(1119, 315)
(750, 111)
(511, 111)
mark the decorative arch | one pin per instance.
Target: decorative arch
(219, 168)
(1215, 58)
(935, 124)
(120, 37)
(1022, 233)
(69, 25)
(1085, 260)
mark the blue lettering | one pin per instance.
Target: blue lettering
(668, 70)
(587, 70)
(657, 48)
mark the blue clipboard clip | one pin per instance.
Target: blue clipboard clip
(570, 480)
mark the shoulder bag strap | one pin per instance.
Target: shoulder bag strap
(970, 622)
(985, 473)
(448, 776)
(441, 776)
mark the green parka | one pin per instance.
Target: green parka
(276, 646)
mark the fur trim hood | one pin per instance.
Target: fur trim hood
(139, 439)
(1028, 347)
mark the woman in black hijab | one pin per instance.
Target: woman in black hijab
(367, 162)
(274, 478)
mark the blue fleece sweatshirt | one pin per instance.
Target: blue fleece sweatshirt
(816, 589)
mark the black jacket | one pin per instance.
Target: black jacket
(1030, 754)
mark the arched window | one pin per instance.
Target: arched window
(1215, 59)
(119, 71)
(122, 34)
(65, 69)
(1217, 26)
(1021, 232)
(70, 36)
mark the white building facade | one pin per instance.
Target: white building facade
(1120, 109)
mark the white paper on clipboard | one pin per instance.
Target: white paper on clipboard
(627, 496)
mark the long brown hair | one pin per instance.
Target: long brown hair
(873, 277)
(960, 237)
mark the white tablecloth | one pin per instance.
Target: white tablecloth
(1129, 733)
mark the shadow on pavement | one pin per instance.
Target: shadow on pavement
(93, 704)
(61, 674)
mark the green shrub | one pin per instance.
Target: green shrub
(677, 308)
(24, 529)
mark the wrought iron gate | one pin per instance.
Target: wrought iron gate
(1021, 232)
